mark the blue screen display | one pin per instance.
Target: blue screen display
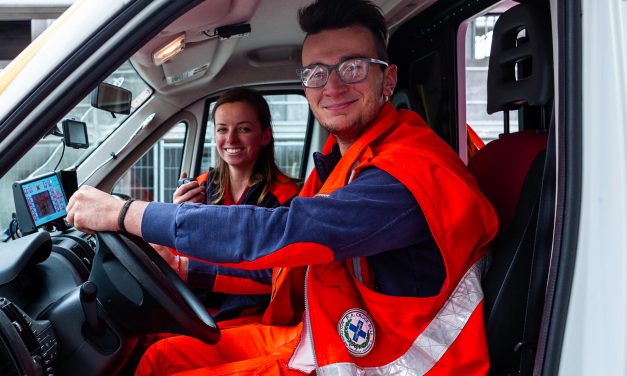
(45, 199)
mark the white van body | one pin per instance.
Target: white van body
(584, 326)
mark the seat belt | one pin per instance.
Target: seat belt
(540, 260)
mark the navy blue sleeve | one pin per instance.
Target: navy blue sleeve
(203, 275)
(374, 213)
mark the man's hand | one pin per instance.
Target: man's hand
(189, 192)
(91, 210)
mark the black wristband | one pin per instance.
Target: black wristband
(123, 214)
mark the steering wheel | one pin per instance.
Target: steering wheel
(150, 273)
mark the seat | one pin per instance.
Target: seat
(517, 174)
(404, 99)
(501, 167)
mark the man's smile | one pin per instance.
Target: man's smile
(334, 107)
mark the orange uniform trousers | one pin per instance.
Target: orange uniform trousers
(253, 349)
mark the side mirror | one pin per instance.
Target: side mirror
(112, 99)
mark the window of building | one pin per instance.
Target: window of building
(15, 36)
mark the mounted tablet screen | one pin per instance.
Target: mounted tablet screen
(44, 198)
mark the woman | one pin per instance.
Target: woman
(245, 174)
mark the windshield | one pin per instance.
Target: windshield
(49, 154)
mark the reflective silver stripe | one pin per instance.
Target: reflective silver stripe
(437, 337)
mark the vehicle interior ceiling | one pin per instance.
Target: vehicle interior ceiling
(209, 51)
(270, 53)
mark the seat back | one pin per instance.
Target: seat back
(403, 99)
(513, 172)
(502, 166)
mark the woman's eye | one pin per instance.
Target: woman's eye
(221, 130)
(244, 130)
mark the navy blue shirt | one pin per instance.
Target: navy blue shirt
(374, 216)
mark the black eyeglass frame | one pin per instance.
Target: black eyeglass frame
(331, 68)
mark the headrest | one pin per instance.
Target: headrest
(408, 100)
(521, 64)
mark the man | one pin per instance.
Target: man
(386, 238)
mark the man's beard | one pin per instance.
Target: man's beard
(355, 129)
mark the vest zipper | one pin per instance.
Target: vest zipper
(308, 323)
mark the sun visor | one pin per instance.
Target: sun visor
(209, 12)
(204, 50)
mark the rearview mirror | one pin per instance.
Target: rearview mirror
(112, 98)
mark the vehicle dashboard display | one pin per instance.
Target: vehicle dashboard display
(42, 200)
(45, 199)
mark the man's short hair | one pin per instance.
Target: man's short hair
(336, 14)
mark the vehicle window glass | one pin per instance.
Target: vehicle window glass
(154, 176)
(49, 153)
(478, 43)
(290, 114)
(100, 124)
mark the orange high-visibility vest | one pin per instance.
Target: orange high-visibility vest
(350, 328)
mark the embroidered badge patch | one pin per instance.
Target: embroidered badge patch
(356, 329)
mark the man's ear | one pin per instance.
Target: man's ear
(389, 80)
(266, 136)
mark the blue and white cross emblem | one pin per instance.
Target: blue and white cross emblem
(356, 329)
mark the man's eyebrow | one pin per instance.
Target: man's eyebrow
(343, 59)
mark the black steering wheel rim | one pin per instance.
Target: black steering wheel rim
(162, 283)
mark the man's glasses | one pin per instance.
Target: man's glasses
(349, 71)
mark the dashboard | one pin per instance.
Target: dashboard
(36, 272)
(44, 269)
(73, 303)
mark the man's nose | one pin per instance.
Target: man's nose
(334, 84)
